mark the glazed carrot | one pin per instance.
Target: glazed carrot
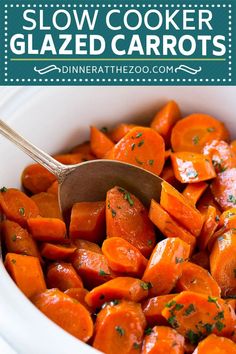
(88, 221)
(181, 209)
(126, 217)
(231, 302)
(125, 288)
(152, 309)
(48, 205)
(17, 239)
(165, 119)
(218, 233)
(26, 272)
(194, 191)
(120, 131)
(163, 340)
(220, 154)
(206, 200)
(142, 147)
(36, 179)
(191, 167)
(83, 148)
(79, 295)
(168, 175)
(73, 159)
(228, 219)
(197, 315)
(17, 206)
(202, 259)
(63, 276)
(168, 226)
(123, 257)
(223, 262)
(213, 344)
(56, 252)
(224, 188)
(193, 132)
(119, 328)
(209, 227)
(53, 188)
(87, 245)
(100, 144)
(66, 313)
(47, 229)
(165, 265)
(197, 279)
(92, 267)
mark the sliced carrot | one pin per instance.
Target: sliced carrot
(168, 226)
(191, 167)
(66, 313)
(125, 288)
(228, 219)
(206, 200)
(220, 154)
(79, 295)
(100, 144)
(120, 131)
(73, 159)
(202, 259)
(209, 227)
(48, 205)
(181, 209)
(83, 148)
(63, 276)
(123, 257)
(17, 206)
(193, 132)
(87, 245)
(165, 265)
(163, 340)
(88, 221)
(197, 279)
(53, 188)
(169, 176)
(223, 262)
(194, 191)
(47, 229)
(152, 309)
(26, 272)
(231, 302)
(224, 189)
(197, 315)
(119, 328)
(165, 119)
(56, 252)
(215, 237)
(215, 344)
(142, 147)
(126, 217)
(36, 179)
(92, 267)
(18, 240)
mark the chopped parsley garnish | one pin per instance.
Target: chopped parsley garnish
(178, 307)
(3, 189)
(231, 199)
(148, 331)
(136, 345)
(151, 162)
(211, 129)
(179, 260)
(120, 330)
(150, 242)
(146, 286)
(193, 337)
(22, 211)
(172, 321)
(104, 130)
(138, 161)
(113, 213)
(192, 174)
(138, 135)
(213, 299)
(14, 238)
(115, 302)
(13, 261)
(208, 327)
(196, 139)
(140, 143)
(189, 310)
(133, 146)
(127, 196)
(170, 304)
(219, 326)
(102, 273)
(217, 218)
(219, 316)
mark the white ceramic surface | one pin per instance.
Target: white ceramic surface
(56, 119)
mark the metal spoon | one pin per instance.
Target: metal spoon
(89, 181)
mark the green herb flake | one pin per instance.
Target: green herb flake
(104, 130)
(13, 261)
(136, 345)
(151, 162)
(120, 330)
(22, 211)
(127, 197)
(211, 129)
(178, 307)
(189, 310)
(193, 337)
(138, 135)
(231, 199)
(146, 286)
(170, 303)
(133, 147)
(102, 273)
(217, 218)
(148, 331)
(140, 143)
(213, 299)
(149, 242)
(208, 327)
(3, 189)
(115, 302)
(219, 326)
(138, 161)
(195, 139)
(172, 321)
(14, 238)
(192, 174)
(179, 260)
(219, 316)
(113, 213)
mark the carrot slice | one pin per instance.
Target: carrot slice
(228, 219)
(126, 217)
(125, 288)
(56, 252)
(193, 132)
(123, 257)
(87, 245)
(223, 262)
(18, 240)
(26, 272)
(119, 328)
(197, 279)
(100, 144)
(73, 159)
(194, 191)
(36, 179)
(83, 148)
(168, 226)
(17, 206)
(213, 343)
(63, 276)
(202, 259)
(66, 313)
(53, 188)
(48, 205)
(88, 221)
(165, 265)
(79, 295)
(165, 119)
(196, 315)
(47, 229)
(120, 131)
(163, 340)
(209, 227)
(220, 154)
(142, 147)
(205, 201)
(152, 309)
(224, 189)
(168, 175)
(181, 209)
(191, 167)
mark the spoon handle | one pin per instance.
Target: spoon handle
(53, 166)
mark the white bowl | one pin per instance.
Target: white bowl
(58, 118)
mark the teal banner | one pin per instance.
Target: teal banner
(118, 42)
